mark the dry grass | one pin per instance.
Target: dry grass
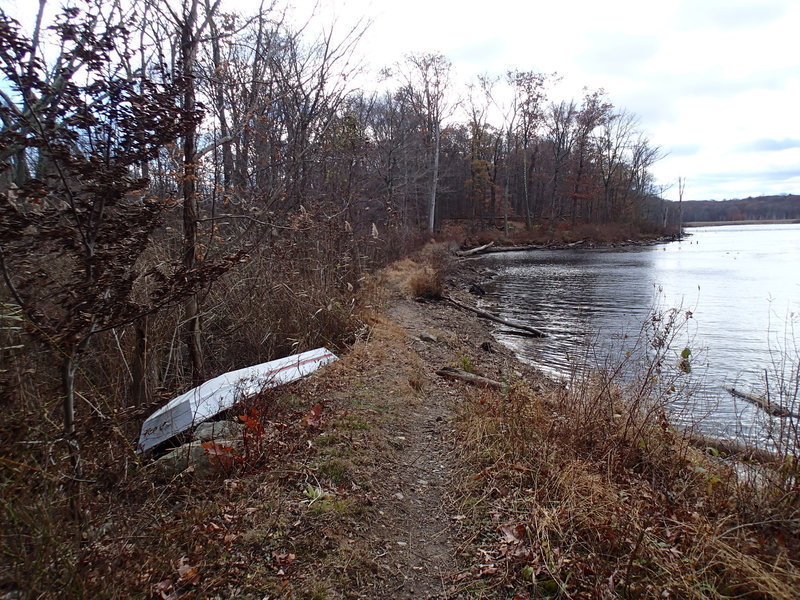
(281, 521)
(586, 492)
(426, 284)
(420, 276)
(126, 531)
(558, 232)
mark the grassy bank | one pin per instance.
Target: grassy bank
(587, 492)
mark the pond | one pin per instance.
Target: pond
(739, 286)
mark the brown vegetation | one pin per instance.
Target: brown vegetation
(586, 491)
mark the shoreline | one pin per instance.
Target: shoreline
(468, 251)
(470, 272)
(691, 224)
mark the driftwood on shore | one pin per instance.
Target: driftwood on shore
(451, 373)
(487, 315)
(776, 410)
(495, 249)
(490, 248)
(474, 251)
(731, 448)
(519, 333)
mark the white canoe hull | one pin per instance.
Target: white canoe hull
(215, 395)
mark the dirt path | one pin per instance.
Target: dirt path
(419, 525)
(420, 549)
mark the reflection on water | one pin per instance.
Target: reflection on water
(741, 284)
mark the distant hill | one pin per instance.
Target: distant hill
(761, 208)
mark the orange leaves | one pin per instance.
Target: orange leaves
(252, 425)
(171, 587)
(219, 455)
(314, 418)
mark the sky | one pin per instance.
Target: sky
(715, 83)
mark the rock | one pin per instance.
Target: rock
(476, 289)
(203, 461)
(217, 430)
(428, 337)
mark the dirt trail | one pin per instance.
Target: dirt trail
(420, 548)
(418, 521)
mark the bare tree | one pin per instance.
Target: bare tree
(71, 239)
(529, 90)
(561, 139)
(428, 81)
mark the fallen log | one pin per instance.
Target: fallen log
(451, 373)
(496, 249)
(490, 248)
(731, 448)
(518, 332)
(776, 410)
(474, 251)
(487, 315)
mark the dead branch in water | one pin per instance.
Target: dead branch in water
(774, 409)
(731, 448)
(487, 315)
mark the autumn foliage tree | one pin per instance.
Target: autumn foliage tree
(74, 218)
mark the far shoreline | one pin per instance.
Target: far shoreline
(690, 224)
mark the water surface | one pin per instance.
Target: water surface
(741, 285)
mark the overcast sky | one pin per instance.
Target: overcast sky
(716, 83)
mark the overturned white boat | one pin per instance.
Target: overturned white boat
(215, 395)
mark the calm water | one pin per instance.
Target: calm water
(741, 284)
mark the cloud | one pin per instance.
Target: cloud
(729, 14)
(712, 85)
(617, 53)
(766, 175)
(740, 184)
(770, 145)
(481, 53)
(683, 149)
(652, 102)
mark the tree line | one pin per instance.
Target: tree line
(763, 208)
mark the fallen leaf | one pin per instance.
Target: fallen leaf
(513, 534)
(164, 588)
(188, 574)
(313, 418)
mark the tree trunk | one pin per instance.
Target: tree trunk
(72, 483)
(192, 306)
(140, 386)
(435, 177)
(219, 100)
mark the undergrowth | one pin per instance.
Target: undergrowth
(585, 490)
